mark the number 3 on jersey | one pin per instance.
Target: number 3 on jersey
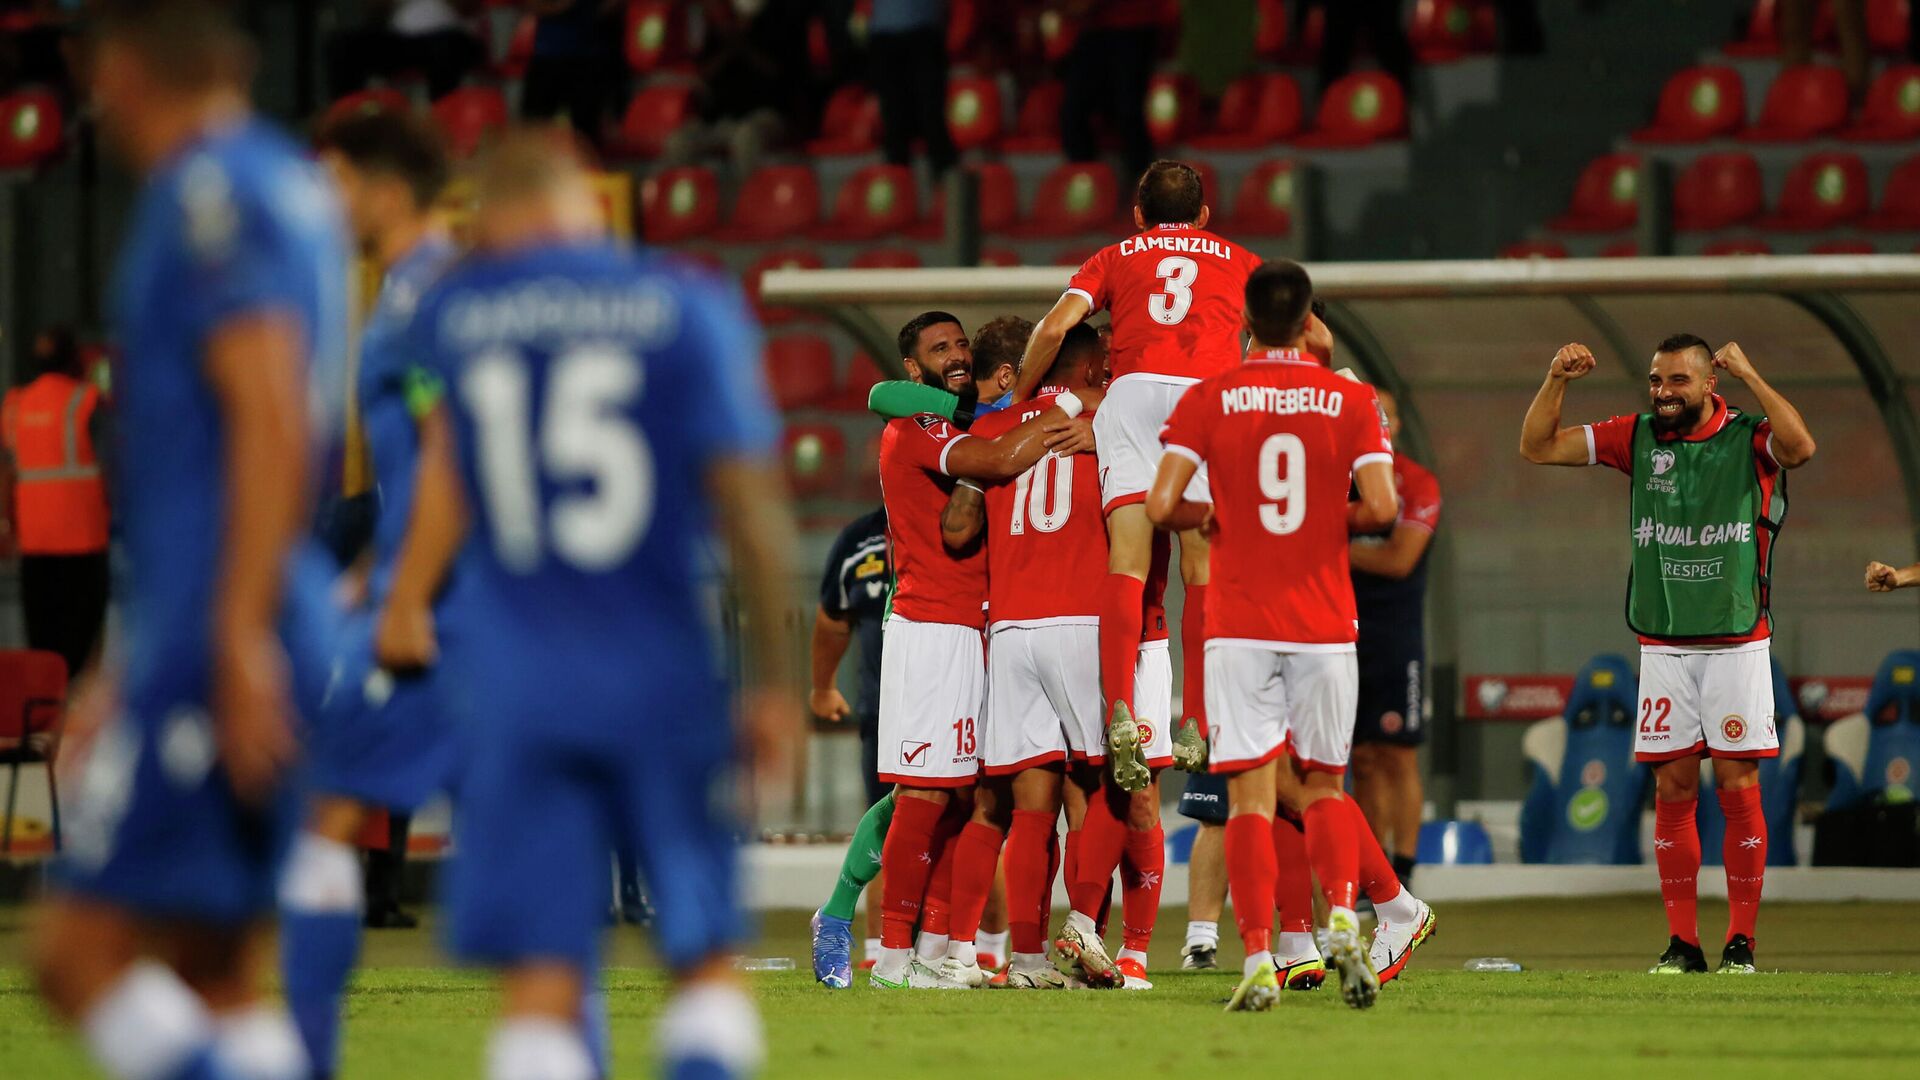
(1169, 306)
(1283, 480)
(584, 436)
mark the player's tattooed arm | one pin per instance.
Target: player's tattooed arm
(1167, 505)
(1378, 504)
(404, 638)
(1884, 578)
(1008, 455)
(964, 516)
(1044, 344)
(757, 523)
(1792, 443)
(1542, 440)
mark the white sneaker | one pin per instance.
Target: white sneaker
(957, 974)
(1393, 943)
(1346, 954)
(920, 976)
(1040, 978)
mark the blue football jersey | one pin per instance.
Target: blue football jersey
(237, 222)
(387, 386)
(591, 387)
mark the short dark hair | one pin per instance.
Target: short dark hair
(909, 339)
(1683, 342)
(1169, 193)
(1279, 298)
(1079, 339)
(395, 143)
(63, 352)
(190, 44)
(1001, 341)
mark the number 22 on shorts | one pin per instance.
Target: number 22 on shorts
(1657, 711)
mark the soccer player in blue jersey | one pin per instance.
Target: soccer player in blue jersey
(229, 302)
(382, 741)
(606, 412)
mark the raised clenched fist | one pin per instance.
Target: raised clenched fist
(1572, 362)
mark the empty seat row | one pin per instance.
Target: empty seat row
(1808, 101)
(1887, 28)
(1718, 190)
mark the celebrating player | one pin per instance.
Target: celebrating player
(1284, 438)
(229, 305)
(607, 410)
(1175, 292)
(1708, 499)
(383, 742)
(932, 672)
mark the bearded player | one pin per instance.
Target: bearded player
(1285, 438)
(1707, 502)
(932, 671)
(1174, 291)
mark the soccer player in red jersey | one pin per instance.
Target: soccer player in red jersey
(1174, 291)
(1285, 438)
(932, 673)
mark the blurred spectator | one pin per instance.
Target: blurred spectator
(575, 65)
(57, 515)
(1107, 74)
(428, 37)
(757, 90)
(1380, 19)
(1849, 24)
(907, 54)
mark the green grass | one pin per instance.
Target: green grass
(1841, 994)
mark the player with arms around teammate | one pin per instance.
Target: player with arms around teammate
(229, 299)
(606, 413)
(932, 673)
(1284, 439)
(1174, 291)
(1706, 505)
(382, 742)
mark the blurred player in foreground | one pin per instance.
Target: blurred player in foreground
(1285, 438)
(230, 297)
(382, 741)
(1706, 505)
(606, 412)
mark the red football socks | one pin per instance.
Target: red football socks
(1331, 848)
(1293, 887)
(1103, 839)
(1121, 617)
(1676, 852)
(1250, 879)
(1193, 657)
(1029, 879)
(1141, 870)
(906, 859)
(1377, 878)
(976, 858)
(1744, 850)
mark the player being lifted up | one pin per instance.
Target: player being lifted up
(1285, 438)
(932, 673)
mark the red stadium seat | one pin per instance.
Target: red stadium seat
(656, 35)
(999, 256)
(376, 99)
(1844, 247)
(1264, 204)
(1535, 249)
(1073, 256)
(513, 64)
(1892, 111)
(679, 204)
(865, 483)
(800, 258)
(1173, 108)
(816, 458)
(1359, 110)
(886, 258)
(775, 202)
(1037, 128)
(1697, 104)
(1763, 32)
(1075, 197)
(33, 696)
(1804, 102)
(850, 124)
(963, 26)
(1899, 209)
(1741, 245)
(1255, 111)
(862, 373)
(653, 115)
(1822, 191)
(973, 111)
(1621, 249)
(1271, 27)
(1716, 191)
(1445, 30)
(1057, 35)
(875, 201)
(30, 127)
(468, 115)
(1606, 199)
(1888, 26)
(800, 370)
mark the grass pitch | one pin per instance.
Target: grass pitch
(1842, 994)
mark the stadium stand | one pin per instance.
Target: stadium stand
(1361, 109)
(468, 114)
(33, 695)
(31, 127)
(1073, 198)
(1584, 806)
(1255, 111)
(1822, 191)
(1716, 191)
(776, 202)
(679, 204)
(652, 117)
(1697, 104)
(816, 458)
(1803, 102)
(1892, 109)
(973, 112)
(1874, 752)
(1264, 204)
(1899, 209)
(876, 201)
(800, 370)
(850, 125)
(1607, 198)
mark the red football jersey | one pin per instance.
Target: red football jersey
(1281, 437)
(1176, 294)
(930, 584)
(1046, 538)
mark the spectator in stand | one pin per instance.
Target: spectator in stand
(757, 91)
(1380, 19)
(1849, 25)
(907, 54)
(430, 37)
(575, 67)
(1107, 74)
(56, 517)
